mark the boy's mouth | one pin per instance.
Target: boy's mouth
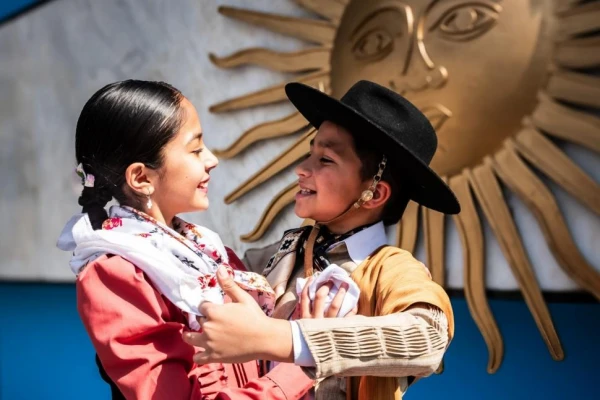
(305, 193)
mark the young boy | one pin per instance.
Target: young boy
(368, 159)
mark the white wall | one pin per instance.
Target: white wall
(54, 58)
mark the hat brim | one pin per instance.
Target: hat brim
(424, 185)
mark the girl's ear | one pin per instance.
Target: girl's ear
(141, 179)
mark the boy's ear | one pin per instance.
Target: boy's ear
(381, 195)
(140, 178)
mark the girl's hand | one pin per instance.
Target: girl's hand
(239, 331)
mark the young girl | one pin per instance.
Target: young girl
(142, 271)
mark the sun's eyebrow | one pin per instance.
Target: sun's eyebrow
(379, 10)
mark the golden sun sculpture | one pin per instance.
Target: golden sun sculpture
(497, 78)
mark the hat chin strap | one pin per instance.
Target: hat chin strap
(365, 196)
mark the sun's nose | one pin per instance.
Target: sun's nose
(420, 80)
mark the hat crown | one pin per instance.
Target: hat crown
(394, 115)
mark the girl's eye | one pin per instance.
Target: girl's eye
(197, 152)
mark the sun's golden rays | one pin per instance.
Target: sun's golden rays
(294, 153)
(574, 87)
(297, 61)
(578, 19)
(407, 231)
(489, 195)
(268, 130)
(273, 94)
(578, 53)
(310, 30)
(565, 123)
(472, 243)
(280, 201)
(522, 181)
(554, 163)
(331, 10)
(433, 228)
(548, 84)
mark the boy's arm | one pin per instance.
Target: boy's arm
(408, 343)
(407, 335)
(408, 339)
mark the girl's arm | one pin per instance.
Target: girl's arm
(137, 335)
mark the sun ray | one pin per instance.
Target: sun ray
(488, 192)
(565, 123)
(471, 237)
(580, 19)
(330, 9)
(273, 94)
(279, 202)
(433, 229)
(311, 30)
(577, 88)
(297, 61)
(284, 160)
(268, 130)
(521, 180)
(549, 159)
(408, 228)
(578, 53)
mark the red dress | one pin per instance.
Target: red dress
(137, 334)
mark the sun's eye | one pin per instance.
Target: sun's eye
(466, 22)
(373, 45)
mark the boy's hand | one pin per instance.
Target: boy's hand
(239, 331)
(317, 309)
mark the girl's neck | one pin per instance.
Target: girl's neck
(158, 215)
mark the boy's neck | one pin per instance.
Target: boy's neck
(351, 222)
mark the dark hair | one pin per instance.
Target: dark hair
(370, 159)
(123, 123)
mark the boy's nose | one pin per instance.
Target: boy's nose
(302, 169)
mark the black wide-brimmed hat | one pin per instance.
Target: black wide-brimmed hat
(393, 125)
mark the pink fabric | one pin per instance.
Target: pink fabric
(137, 334)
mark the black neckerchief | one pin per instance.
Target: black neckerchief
(324, 241)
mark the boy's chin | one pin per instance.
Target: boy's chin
(301, 212)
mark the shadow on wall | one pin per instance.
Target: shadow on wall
(45, 352)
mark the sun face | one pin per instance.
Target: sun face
(435, 54)
(497, 78)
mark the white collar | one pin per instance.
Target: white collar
(362, 244)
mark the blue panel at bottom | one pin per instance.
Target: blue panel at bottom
(45, 353)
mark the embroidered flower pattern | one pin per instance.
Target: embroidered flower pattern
(197, 254)
(112, 223)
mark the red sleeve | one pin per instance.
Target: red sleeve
(143, 353)
(284, 382)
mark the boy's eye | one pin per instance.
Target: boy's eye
(326, 160)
